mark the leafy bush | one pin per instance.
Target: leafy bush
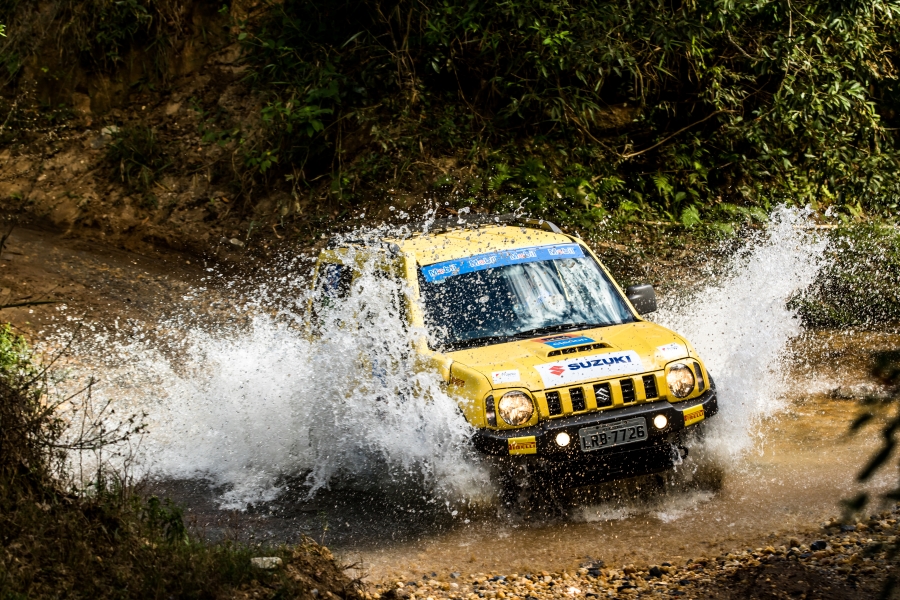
(859, 286)
(688, 111)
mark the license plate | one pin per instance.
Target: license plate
(619, 433)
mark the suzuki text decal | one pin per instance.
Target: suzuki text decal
(595, 366)
(564, 341)
(441, 271)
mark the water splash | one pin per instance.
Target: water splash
(740, 324)
(256, 404)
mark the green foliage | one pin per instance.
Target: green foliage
(859, 286)
(105, 29)
(886, 369)
(139, 159)
(14, 352)
(685, 108)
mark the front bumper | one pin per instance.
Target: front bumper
(652, 455)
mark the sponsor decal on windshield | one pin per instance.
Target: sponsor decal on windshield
(451, 268)
(595, 366)
(564, 341)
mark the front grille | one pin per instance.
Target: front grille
(554, 406)
(700, 383)
(627, 390)
(577, 396)
(603, 395)
(650, 386)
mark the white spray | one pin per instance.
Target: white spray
(740, 325)
(248, 406)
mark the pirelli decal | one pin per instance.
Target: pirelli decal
(523, 445)
(693, 415)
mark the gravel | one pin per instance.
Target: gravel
(838, 562)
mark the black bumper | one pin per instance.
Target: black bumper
(652, 455)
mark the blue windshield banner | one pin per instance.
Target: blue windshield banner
(480, 262)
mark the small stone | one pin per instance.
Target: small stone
(794, 543)
(266, 562)
(848, 527)
(236, 242)
(655, 572)
(101, 141)
(455, 574)
(818, 545)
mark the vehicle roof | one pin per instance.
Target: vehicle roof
(430, 248)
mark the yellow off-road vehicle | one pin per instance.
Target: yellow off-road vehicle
(549, 359)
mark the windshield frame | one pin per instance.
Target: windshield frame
(420, 282)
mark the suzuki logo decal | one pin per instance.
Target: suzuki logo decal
(586, 368)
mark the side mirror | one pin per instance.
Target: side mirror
(642, 297)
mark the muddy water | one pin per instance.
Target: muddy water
(802, 463)
(225, 412)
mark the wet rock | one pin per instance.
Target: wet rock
(655, 572)
(848, 527)
(818, 545)
(266, 562)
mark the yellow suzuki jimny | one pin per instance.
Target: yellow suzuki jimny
(550, 361)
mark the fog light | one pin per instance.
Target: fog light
(563, 439)
(660, 421)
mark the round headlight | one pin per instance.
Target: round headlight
(515, 408)
(660, 421)
(681, 380)
(562, 439)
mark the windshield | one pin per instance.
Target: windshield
(499, 297)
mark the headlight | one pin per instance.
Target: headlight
(680, 380)
(515, 408)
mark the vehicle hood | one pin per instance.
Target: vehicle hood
(605, 352)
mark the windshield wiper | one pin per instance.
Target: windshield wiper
(557, 329)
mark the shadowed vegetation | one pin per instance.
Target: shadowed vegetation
(105, 541)
(692, 112)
